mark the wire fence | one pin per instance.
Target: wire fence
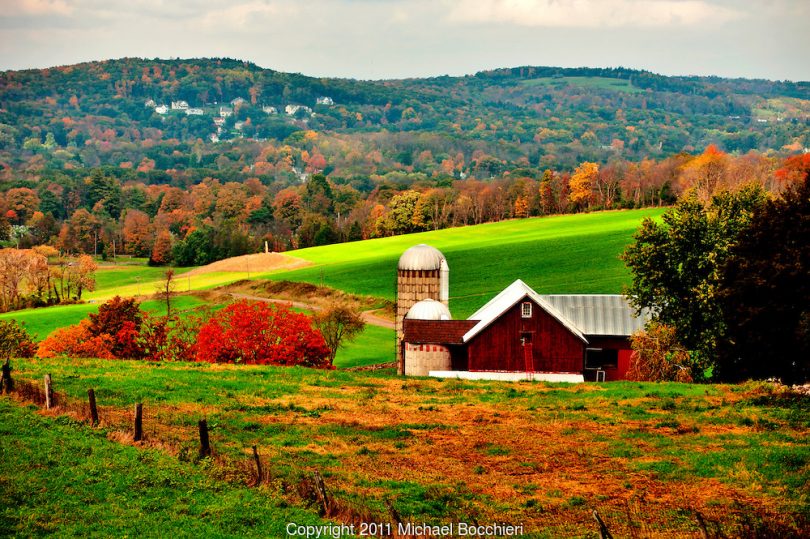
(638, 517)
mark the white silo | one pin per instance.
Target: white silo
(421, 358)
(422, 273)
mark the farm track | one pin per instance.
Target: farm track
(369, 317)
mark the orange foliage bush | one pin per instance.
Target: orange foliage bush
(76, 341)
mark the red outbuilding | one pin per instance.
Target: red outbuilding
(520, 333)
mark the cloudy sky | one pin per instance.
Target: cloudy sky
(374, 39)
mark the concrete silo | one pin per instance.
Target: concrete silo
(422, 273)
(420, 359)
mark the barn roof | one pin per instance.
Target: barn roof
(599, 315)
(436, 331)
(504, 301)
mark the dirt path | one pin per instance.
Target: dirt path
(368, 316)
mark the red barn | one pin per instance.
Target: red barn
(554, 337)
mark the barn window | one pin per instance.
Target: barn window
(526, 309)
(597, 358)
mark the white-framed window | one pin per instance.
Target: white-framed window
(526, 309)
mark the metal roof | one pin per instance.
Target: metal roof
(429, 309)
(504, 301)
(421, 257)
(599, 314)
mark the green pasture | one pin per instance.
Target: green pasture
(41, 322)
(732, 450)
(603, 83)
(58, 477)
(373, 346)
(563, 254)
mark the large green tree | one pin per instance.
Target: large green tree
(676, 265)
(764, 294)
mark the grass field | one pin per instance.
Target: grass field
(561, 254)
(564, 254)
(61, 478)
(41, 322)
(604, 83)
(646, 456)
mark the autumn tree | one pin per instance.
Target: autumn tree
(82, 275)
(260, 333)
(162, 249)
(658, 356)
(166, 288)
(582, 183)
(15, 340)
(339, 322)
(764, 294)
(137, 233)
(676, 265)
(121, 319)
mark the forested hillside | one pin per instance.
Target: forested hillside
(189, 161)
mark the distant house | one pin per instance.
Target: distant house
(292, 109)
(214, 137)
(219, 121)
(162, 109)
(267, 109)
(224, 112)
(239, 125)
(150, 103)
(194, 112)
(238, 101)
(324, 101)
(179, 105)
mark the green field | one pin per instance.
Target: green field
(645, 455)
(41, 322)
(563, 255)
(604, 83)
(60, 478)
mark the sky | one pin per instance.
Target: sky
(380, 39)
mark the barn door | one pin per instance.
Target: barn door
(528, 351)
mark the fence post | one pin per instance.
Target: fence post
(205, 446)
(259, 474)
(604, 533)
(7, 383)
(138, 422)
(91, 396)
(48, 392)
(320, 489)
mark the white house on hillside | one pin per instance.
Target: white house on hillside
(324, 101)
(267, 109)
(238, 101)
(162, 109)
(179, 105)
(224, 112)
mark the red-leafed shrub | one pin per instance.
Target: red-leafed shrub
(260, 333)
(120, 319)
(162, 339)
(77, 341)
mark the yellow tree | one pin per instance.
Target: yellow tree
(581, 184)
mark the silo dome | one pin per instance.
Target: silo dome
(421, 257)
(429, 309)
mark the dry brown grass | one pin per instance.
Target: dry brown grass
(255, 263)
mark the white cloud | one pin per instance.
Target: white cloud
(242, 15)
(590, 13)
(39, 7)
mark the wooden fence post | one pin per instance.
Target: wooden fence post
(138, 422)
(320, 489)
(7, 383)
(604, 533)
(91, 396)
(205, 446)
(259, 474)
(48, 392)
